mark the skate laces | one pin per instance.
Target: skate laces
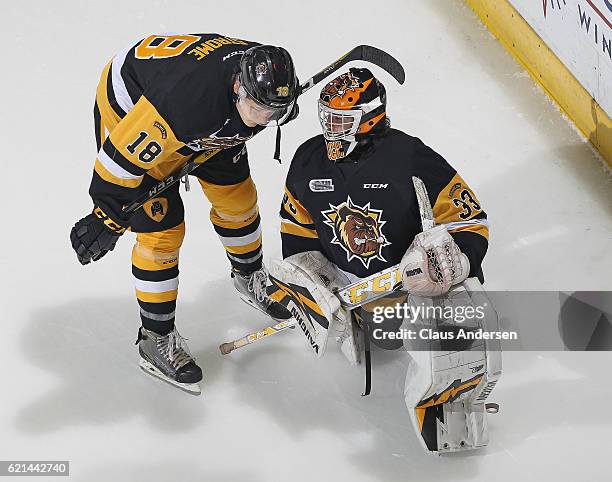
(257, 285)
(174, 347)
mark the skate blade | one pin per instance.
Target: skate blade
(191, 388)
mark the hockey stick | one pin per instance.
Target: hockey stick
(228, 347)
(172, 179)
(366, 53)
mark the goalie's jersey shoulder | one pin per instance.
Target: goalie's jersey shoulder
(186, 77)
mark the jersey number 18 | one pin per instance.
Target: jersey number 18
(149, 152)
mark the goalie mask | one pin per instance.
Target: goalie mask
(351, 107)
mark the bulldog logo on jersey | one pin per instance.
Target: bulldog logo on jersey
(358, 230)
(207, 143)
(156, 208)
(217, 140)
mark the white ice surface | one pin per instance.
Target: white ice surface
(71, 387)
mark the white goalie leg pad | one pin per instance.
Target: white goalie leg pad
(447, 385)
(308, 278)
(433, 263)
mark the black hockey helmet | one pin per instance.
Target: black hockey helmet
(352, 107)
(267, 75)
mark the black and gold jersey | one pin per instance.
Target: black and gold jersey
(159, 102)
(186, 79)
(363, 215)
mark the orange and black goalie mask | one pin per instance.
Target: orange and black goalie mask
(351, 106)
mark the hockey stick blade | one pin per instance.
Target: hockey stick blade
(384, 61)
(366, 53)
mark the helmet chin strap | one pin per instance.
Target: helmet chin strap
(292, 114)
(278, 144)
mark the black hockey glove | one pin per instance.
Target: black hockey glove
(94, 236)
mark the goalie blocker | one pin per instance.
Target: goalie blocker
(307, 280)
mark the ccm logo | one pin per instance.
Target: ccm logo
(375, 186)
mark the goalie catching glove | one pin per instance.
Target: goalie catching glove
(433, 263)
(308, 279)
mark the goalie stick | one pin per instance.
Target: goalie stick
(226, 348)
(366, 53)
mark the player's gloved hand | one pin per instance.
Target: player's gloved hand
(94, 236)
(433, 263)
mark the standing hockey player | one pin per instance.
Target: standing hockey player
(159, 103)
(350, 210)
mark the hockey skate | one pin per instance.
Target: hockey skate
(167, 358)
(252, 290)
